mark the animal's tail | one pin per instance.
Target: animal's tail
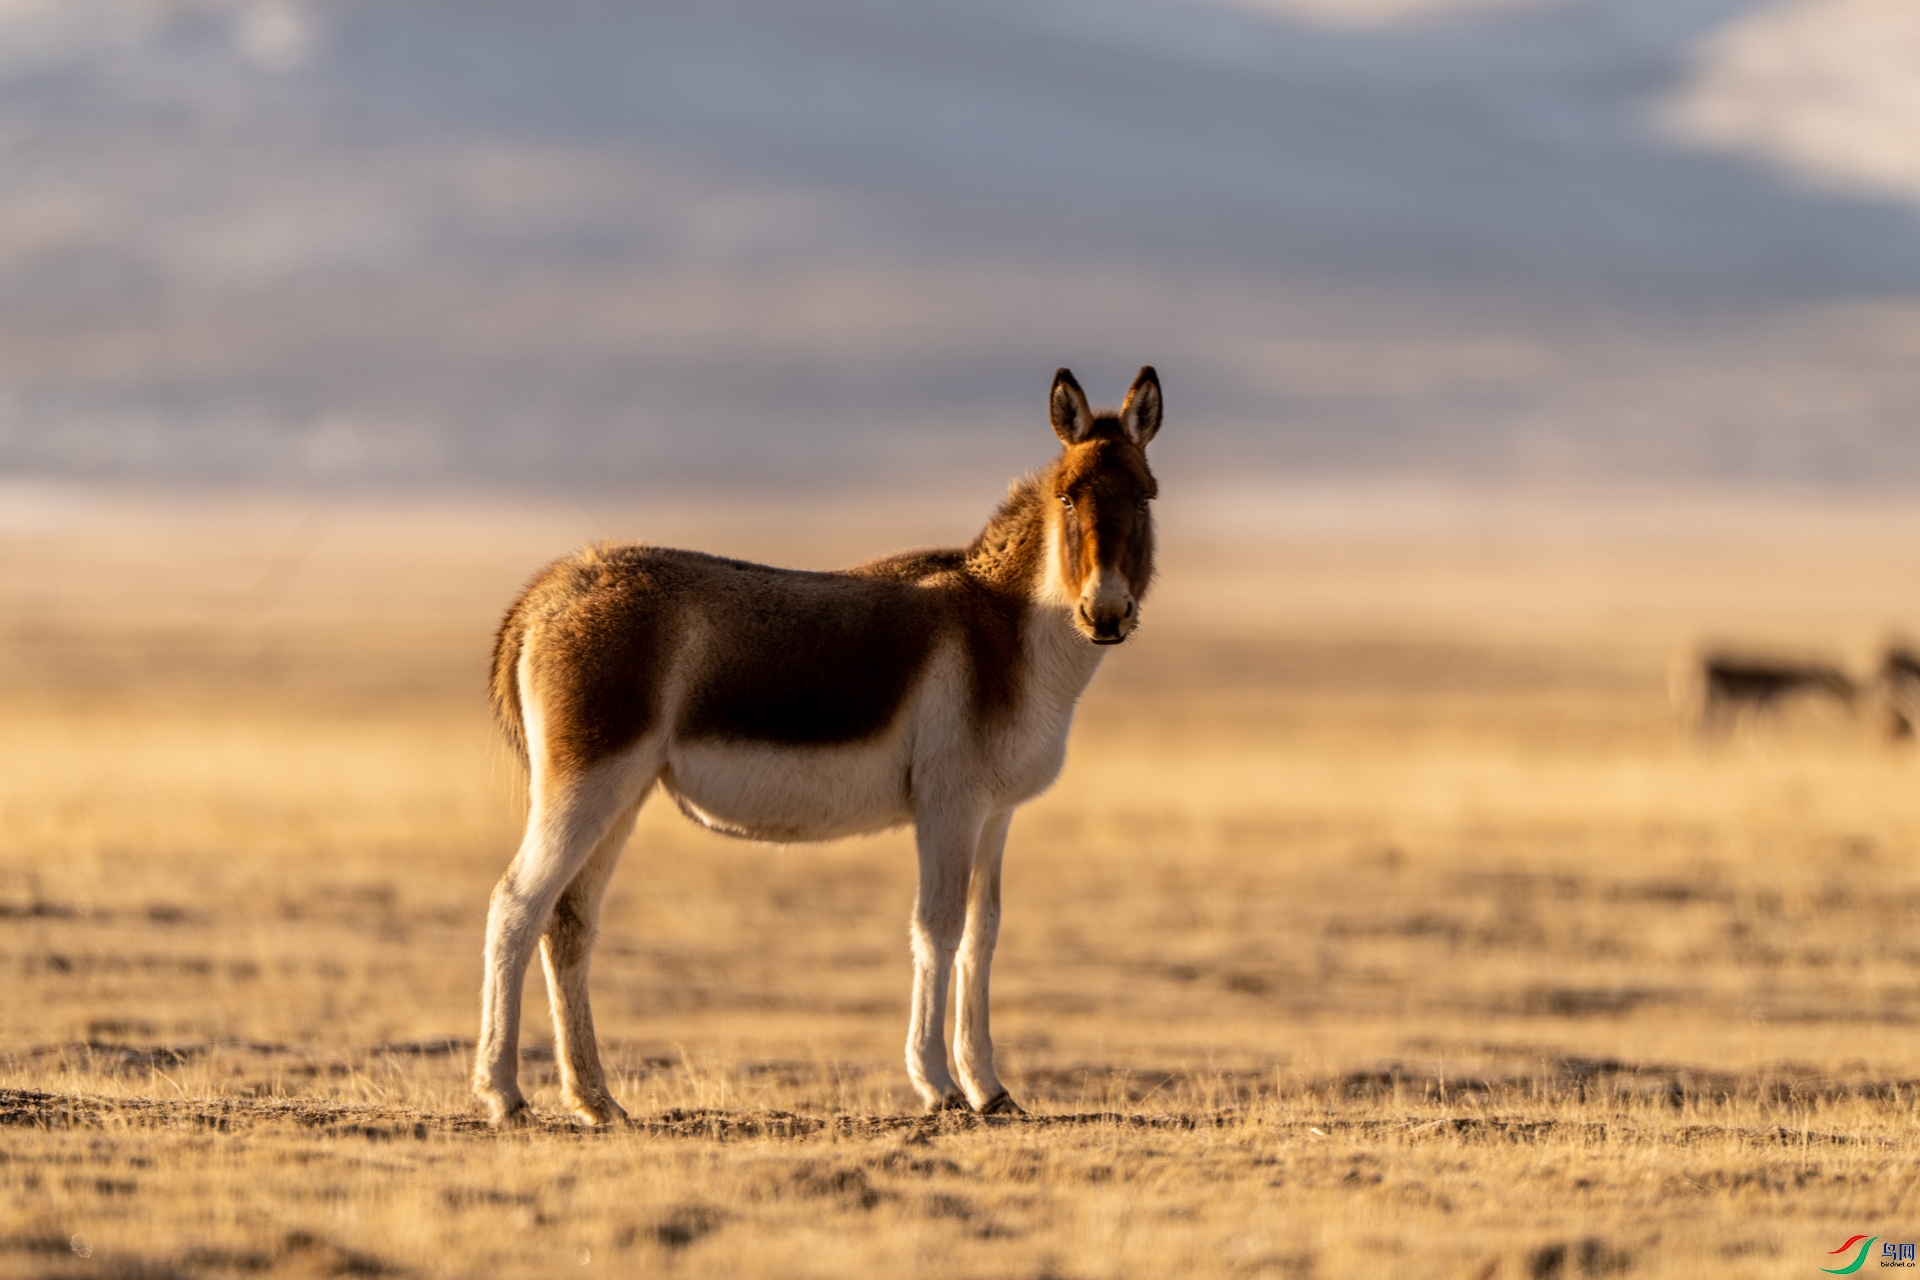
(504, 687)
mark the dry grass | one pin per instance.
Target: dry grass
(1380, 925)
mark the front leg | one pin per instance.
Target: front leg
(972, 1040)
(946, 844)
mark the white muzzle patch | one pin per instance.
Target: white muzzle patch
(1107, 610)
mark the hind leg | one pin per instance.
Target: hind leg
(568, 820)
(565, 951)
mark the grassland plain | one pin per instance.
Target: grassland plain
(1380, 925)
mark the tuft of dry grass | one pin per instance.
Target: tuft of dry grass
(1381, 923)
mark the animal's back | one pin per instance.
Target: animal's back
(777, 655)
(804, 659)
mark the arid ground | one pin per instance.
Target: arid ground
(1382, 922)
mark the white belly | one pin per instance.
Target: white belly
(763, 791)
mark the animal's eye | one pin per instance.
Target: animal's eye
(1145, 503)
(1066, 502)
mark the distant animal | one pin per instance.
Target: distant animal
(1727, 687)
(934, 688)
(1900, 687)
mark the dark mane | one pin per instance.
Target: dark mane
(1008, 550)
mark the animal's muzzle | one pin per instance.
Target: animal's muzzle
(1106, 623)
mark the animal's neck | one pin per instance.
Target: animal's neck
(1015, 556)
(1063, 661)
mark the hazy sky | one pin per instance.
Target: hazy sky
(584, 242)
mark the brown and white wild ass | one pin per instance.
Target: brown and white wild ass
(934, 688)
(1733, 686)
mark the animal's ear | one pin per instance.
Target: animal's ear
(1072, 416)
(1140, 415)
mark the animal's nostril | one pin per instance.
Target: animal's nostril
(1129, 612)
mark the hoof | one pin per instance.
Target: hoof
(1002, 1105)
(955, 1101)
(598, 1111)
(504, 1115)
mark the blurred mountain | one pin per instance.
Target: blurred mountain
(746, 242)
